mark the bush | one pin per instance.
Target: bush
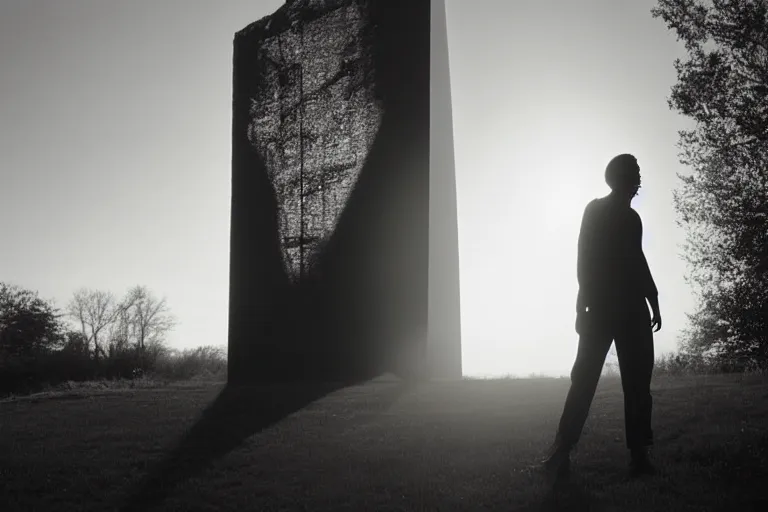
(35, 372)
(684, 364)
(206, 363)
(22, 375)
(690, 363)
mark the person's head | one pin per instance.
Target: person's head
(623, 175)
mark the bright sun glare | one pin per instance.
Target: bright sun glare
(528, 290)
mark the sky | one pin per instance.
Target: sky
(115, 147)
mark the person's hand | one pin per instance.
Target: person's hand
(656, 321)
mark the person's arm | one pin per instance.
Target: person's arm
(584, 258)
(651, 292)
(649, 286)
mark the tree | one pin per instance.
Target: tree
(723, 202)
(96, 311)
(147, 320)
(139, 320)
(75, 342)
(29, 325)
(121, 332)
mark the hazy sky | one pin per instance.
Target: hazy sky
(115, 120)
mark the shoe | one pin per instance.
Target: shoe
(557, 464)
(640, 463)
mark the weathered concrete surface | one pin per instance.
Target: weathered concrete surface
(330, 242)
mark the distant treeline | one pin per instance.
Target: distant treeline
(96, 337)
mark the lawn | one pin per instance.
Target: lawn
(465, 445)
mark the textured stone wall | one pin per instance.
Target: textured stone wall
(314, 118)
(330, 191)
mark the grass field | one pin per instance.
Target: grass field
(465, 445)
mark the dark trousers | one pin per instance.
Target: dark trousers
(634, 346)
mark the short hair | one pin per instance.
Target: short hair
(619, 169)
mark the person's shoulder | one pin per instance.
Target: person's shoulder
(596, 207)
(593, 205)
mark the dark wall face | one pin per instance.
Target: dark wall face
(330, 191)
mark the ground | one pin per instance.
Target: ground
(381, 446)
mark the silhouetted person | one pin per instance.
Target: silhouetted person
(614, 283)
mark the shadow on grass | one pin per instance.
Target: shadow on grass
(236, 414)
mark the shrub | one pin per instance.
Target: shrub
(206, 363)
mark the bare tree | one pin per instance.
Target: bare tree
(120, 332)
(95, 311)
(109, 325)
(147, 319)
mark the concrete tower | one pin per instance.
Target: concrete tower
(344, 246)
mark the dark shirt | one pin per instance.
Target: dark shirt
(612, 270)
